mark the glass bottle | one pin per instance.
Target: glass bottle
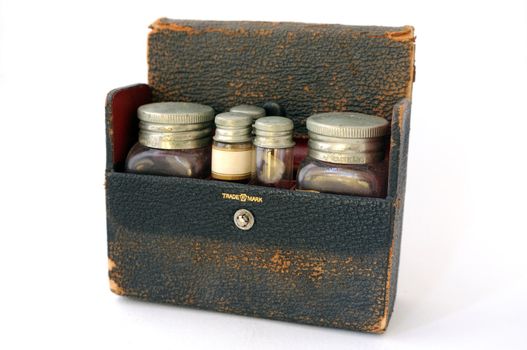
(255, 112)
(174, 140)
(274, 152)
(346, 155)
(232, 149)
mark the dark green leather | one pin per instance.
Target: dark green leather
(306, 68)
(312, 258)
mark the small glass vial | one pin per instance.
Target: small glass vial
(232, 149)
(274, 152)
(174, 140)
(346, 155)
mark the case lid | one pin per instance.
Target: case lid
(306, 68)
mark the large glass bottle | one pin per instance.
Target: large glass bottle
(346, 155)
(174, 140)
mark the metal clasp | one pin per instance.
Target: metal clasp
(243, 219)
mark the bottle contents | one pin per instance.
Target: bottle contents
(346, 154)
(274, 152)
(174, 140)
(232, 149)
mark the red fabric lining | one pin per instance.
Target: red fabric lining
(124, 119)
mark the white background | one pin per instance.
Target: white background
(462, 280)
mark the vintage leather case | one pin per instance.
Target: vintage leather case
(314, 258)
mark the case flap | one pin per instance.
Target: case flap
(306, 68)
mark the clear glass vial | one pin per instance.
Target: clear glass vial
(232, 149)
(174, 139)
(274, 152)
(346, 155)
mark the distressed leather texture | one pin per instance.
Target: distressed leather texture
(306, 68)
(313, 258)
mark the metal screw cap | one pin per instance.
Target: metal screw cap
(347, 125)
(175, 113)
(254, 111)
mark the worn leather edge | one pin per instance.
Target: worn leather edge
(195, 27)
(398, 170)
(110, 98)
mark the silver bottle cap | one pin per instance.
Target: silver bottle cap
(175, 113)
(233, 127)
(254, 111)
(347, 137)
(274, 132)
(175, 125)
